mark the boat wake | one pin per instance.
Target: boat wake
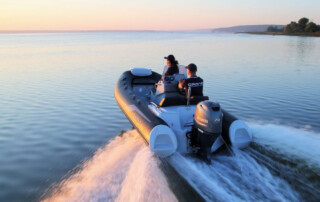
(282, 164)
(124, 170)
(291, 143)
(234, 178)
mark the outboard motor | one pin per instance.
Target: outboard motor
(207, 126)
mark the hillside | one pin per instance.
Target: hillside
(243, 28)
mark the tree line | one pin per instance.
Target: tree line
(303, 26)
(275, 29)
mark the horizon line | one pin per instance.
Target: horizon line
(84, 30)
(119, 30)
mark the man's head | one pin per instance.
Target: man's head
(191, 69)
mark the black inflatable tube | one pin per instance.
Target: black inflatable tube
(135, 109)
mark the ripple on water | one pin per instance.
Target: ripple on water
(57, 106)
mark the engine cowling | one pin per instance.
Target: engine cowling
(207, 126)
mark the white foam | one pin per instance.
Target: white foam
(233, 178)
(124, 170)
(292, 142)
(145, 181)
(241, 177)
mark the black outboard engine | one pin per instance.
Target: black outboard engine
(207, 126)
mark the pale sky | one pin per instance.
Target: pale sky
(150, 14)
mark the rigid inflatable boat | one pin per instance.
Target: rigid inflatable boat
(169, 122)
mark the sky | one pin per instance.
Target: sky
(150, 14)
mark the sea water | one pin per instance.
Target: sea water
(59, 122)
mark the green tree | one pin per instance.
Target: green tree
(311, 27)
(302, 23)
(274, 29)
(291, 28)
(302, 26)
(287, 29)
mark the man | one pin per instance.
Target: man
(194, 82)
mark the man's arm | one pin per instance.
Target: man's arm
(182, 83)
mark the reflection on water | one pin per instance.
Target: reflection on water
(301, 47)
(57, 106)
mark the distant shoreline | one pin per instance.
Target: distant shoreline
(283, 34)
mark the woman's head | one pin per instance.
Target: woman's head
(171, 60)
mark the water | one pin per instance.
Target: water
(273, 169)
(58, 117)
(112, 175)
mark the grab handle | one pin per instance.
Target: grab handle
(189, 95)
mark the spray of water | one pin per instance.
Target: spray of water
(291, 142)
(233, 178)
(292, 154)
(125, 170)
(281, 165)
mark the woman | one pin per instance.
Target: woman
(172, 65)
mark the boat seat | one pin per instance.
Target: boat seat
(174, 99)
